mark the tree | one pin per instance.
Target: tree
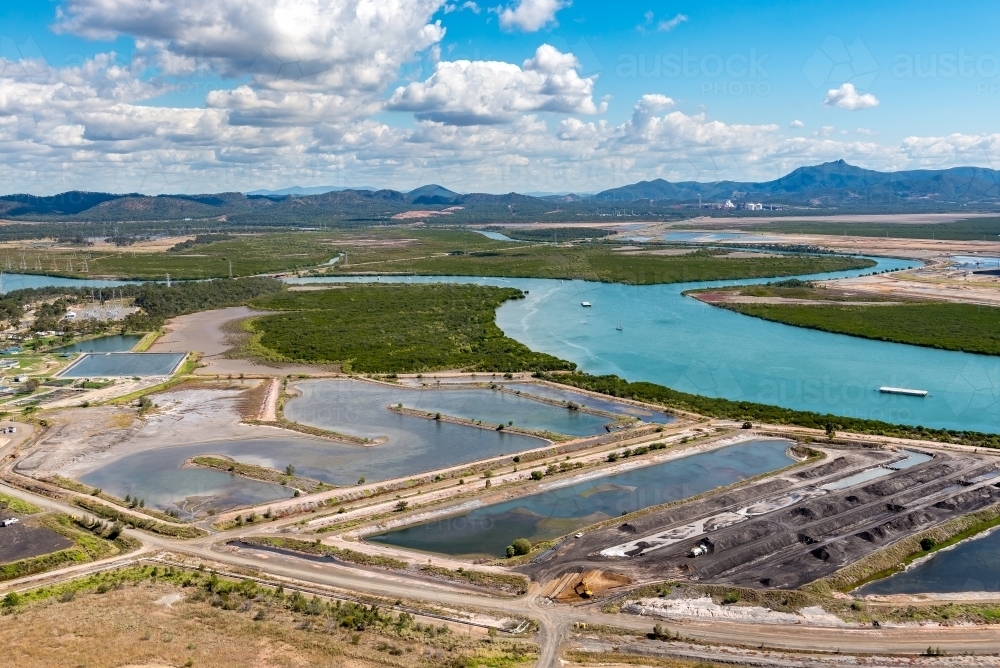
(521, 546)
(401, 506)
(290, 470)
(927, 544)
(537, 475)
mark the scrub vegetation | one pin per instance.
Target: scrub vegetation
(319, 549)
(950, 326)
(138, 522)
(394, 329)
(187, 617)
(585, 261)
(421, 251)
(246, 255)
(755, 412)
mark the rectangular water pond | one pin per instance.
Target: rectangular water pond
(119, 343)
(488, 531)
(361, 409)
(105, 365)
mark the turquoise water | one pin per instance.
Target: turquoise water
(22, 281)
(105, 365)
(970, 566)
(496, 236)
(105, 344)
(488, 531)
(691, 346)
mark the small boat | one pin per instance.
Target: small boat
(902, 390)
(619, 327)
(585, 304)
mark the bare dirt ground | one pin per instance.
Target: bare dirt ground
(204, 332)
(28, 539)
(151, 246)
(587, 648)
(83, 439)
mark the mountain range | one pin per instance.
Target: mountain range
(815, 189)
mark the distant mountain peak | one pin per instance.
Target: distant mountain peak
(432, 190)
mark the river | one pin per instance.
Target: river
(685, 344)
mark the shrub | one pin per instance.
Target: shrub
(927, 544)
(521, 546)
(537, 475)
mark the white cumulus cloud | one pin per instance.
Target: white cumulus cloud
(531, 15)
(481, 92)
(796, 124)
(847, 97)
(349, 46)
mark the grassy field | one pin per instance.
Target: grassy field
(163, 616)
(971, 229)
(395, 329)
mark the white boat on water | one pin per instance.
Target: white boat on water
(902, 390)
(585, 304)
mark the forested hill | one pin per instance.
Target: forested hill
(808, 189)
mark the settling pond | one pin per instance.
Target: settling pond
(487, 531)
(359, 409)
(119, 343)
(973, 565)
(107, 365)
(352, 407)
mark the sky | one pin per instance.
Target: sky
(197, 96)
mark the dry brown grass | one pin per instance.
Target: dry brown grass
(132, 625)
(575, 659)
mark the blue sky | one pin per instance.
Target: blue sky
(242, 94)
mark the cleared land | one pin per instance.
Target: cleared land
(970, 229)
(394, 329)
(950, 326)
(156, 615)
